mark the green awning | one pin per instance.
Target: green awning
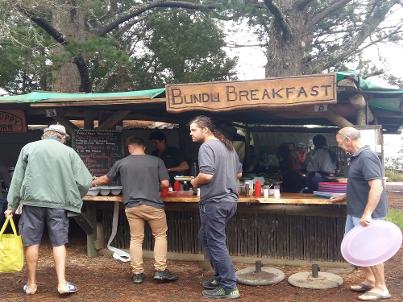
(43, 96)
(389, 99)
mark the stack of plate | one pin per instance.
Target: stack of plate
(332, 187)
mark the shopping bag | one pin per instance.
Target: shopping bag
(11, 250)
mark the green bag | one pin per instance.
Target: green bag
(11, 250)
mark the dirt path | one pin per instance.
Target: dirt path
(104, 279)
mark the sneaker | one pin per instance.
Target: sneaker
(68, 288)
(29, 289)
(212, 284)
(165, 276)
(138, 278)
(221, 293)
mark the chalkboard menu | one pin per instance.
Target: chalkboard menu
(99, 149)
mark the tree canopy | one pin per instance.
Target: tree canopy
(97, 45)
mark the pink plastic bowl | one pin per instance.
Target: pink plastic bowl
(371, 245)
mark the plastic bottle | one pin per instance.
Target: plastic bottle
(177, 186)
(258, 189)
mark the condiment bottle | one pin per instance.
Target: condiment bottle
(258, 189)
(177, 186)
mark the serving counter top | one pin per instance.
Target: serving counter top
(188, 197)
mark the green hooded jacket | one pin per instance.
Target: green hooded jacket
(49, 174)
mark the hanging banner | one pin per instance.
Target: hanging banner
(236, 95)
(12, 121)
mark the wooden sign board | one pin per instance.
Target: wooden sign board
(12, 121)
(98, 149)
(274, 92)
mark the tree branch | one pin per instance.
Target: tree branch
(374, 73)
(369, 26)
(138, 10)
(301, 4)
(327, 11)
(335, 57)
(85, 85)
(279, 17)
(45, 25)
(127, 26)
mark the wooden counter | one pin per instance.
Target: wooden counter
(295, 226)
(188, 197)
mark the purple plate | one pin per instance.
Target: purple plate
(371, 245)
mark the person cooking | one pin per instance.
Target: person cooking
(320, 163)
(171, 156)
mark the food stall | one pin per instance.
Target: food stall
(294, 226)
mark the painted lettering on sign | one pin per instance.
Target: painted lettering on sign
(278, 92)
(12, 121)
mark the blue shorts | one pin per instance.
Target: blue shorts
(33, 221)
(352, 221)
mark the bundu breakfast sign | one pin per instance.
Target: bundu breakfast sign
(274, 92)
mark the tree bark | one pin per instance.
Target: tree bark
(68, 77)
(287, 42)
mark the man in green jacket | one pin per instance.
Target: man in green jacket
(48, 181)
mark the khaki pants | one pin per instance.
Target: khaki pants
(157, 221)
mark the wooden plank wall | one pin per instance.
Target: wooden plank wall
(251, 234)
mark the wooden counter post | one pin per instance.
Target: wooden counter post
(91, 215)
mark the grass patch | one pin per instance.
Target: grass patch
(395, 216)
(394, 175)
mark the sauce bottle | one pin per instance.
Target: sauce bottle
(258, 189)
(177, 186)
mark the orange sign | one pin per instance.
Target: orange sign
(274, 92)
(12, 121)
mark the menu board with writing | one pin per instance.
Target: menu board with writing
(99, 149)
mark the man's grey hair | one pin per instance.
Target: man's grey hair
(53, 134)
(350, 132)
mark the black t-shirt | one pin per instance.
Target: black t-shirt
(364, 166)
(140, 176)
(172, 157)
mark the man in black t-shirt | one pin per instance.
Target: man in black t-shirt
(172, 157)
(366, 200)
(142, 176)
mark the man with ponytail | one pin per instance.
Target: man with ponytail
(219, 168)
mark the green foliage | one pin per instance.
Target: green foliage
(163, 46)
(181, 48)
(24, 67)
(395, 216)
(394, 175)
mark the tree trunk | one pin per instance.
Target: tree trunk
(285, 51)
(70, 22)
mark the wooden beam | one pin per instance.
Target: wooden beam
(92, 103)
(70, 127)
(114, 119)
(89, 121)
(364, 115)
(337, 119)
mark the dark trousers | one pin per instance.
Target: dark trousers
(3, 207)
(214, 217)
